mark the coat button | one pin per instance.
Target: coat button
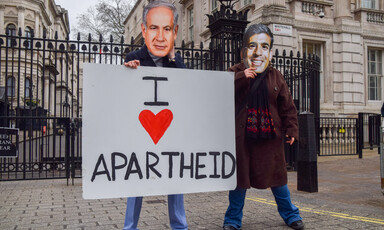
(241, 126)
(275, 88)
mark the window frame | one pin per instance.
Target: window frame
(364, 4)
(11, 86)
(28, 35)
(12, 32)
(214, 6)
(246, 2)
(190, 23)
(11, 29)
(376, 76)
(321, 48)
(27, 88)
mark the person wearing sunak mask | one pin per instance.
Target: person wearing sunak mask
(266, 117)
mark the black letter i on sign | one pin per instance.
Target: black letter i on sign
(155, 102)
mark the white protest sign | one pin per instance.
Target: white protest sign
(156, 131)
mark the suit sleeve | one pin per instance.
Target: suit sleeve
(178, 63)
(130, 56)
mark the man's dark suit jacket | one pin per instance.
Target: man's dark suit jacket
(145, 59)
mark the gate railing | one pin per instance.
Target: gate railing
(337, 136)
(302, 76)
(369, 133)
(41, 86)
(49, 148)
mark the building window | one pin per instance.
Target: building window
(28, 34)
(214, 5)
(375, 74)
(27, 88)
(312, 47)
(11, 28)
(369, 4)
(246, 2)
(190, 23)
(11, 86)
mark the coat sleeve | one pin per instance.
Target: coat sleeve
(241, 83)
(287, 110)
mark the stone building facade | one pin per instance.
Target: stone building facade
(37, 15)
(25, 84)
(347, 35)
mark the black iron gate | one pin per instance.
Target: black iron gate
(41, 82)
(48, 147)
(369, 132)
(337, 136)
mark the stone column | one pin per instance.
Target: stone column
(46, 90)
(37, 24)
(20, 19)
(2, 25)
(348, 69)
(342, 9)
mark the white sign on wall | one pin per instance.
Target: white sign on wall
(282, 29)
(156, 131)
(9, 142)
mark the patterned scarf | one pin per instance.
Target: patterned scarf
(259, 121)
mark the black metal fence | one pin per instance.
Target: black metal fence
(41, 83)
(302, 74)
(337, 136)
(348, 136)
(369, 132)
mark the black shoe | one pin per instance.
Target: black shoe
(229, 227)
(297, 225)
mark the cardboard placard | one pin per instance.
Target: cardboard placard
(156, 131)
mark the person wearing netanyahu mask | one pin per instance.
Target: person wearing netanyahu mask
(159, 30)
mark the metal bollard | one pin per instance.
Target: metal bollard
(307, 156)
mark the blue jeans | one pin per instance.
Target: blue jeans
(288, 211)
(176, 212)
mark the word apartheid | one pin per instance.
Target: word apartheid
(192, 165)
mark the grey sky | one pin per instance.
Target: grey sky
(75, 7)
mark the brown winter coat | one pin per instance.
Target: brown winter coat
(261, 163)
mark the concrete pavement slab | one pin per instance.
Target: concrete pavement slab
(349, 197)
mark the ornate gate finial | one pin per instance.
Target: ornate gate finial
(228, 3)
(227, 27)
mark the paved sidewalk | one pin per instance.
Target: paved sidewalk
(349, 197)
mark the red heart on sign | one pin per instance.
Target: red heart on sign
(156, 125)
